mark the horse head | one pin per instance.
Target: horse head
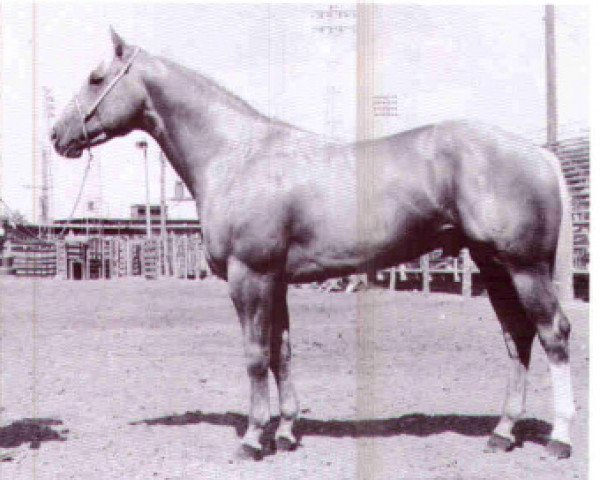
(110, 103)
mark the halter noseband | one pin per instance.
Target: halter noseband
(86, 116)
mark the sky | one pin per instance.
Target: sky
(437, 62)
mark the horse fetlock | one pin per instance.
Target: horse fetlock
(514, 407)
(504, 428)
(254, 433)
(284, 437)
(564, 409)
(564, 405)
(288, 402)
(260, 415)
(560, 430)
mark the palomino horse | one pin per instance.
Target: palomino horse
(280, 205)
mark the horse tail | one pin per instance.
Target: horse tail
(562, 274)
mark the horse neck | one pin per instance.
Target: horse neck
(196, 123)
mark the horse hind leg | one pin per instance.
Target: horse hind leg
(539, 298)
(525, 298)
(280, 364)
(518, 332)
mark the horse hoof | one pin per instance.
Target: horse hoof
(284, 444)
(248, 452)
(559, 449)
(498, 443)
(6, 456)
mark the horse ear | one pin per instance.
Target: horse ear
(118, 43)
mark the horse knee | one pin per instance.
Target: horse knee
(257, 362)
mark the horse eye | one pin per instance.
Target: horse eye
(95, 79)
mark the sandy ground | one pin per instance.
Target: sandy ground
(134, 379)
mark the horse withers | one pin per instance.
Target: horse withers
(279, 205)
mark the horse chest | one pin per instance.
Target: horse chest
(248, 234)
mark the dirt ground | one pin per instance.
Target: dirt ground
(134, 379)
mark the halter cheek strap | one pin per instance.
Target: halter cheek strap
(82, 116)
(111, 85)
(86, 116)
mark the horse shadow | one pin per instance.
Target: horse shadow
(33, 431)
(415, 424)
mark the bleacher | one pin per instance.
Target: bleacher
(574, 154)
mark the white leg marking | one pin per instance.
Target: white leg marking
(285, 429)
(564, 406)
(514, 403)
(504, 428)
(252, 437)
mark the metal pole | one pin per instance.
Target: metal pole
(148, 221)
(551, 110)
(143, 145)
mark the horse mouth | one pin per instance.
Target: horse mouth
(72, 151)
(75, 148)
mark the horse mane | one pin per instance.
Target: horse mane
(225, 96)
(216, 91)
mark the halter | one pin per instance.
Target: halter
(86, 116)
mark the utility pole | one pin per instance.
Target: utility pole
(143, 145)
(49, 107)
(45, 197)
(551, 111)
(564, 267)
(163, 214)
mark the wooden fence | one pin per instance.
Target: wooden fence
(426, 269)
(182, 256)
(178, 256)
(30, 259)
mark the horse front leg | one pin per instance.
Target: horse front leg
(253, 296)
(281, 357)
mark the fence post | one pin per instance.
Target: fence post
(61, 260)
(196, 256)
(402, 272)
(455, 273)
(176, 262)
(171, 255)
(87, 267)
(467, 283)
(186, 256)
(102, 259)
(425, 272)
(128, 259)
(393, 278)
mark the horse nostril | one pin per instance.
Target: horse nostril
(53, 135)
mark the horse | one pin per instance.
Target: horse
(280, 205)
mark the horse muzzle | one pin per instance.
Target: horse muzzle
(74, 148)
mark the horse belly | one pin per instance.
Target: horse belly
(353, 250)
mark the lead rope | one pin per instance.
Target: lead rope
(87, 167)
